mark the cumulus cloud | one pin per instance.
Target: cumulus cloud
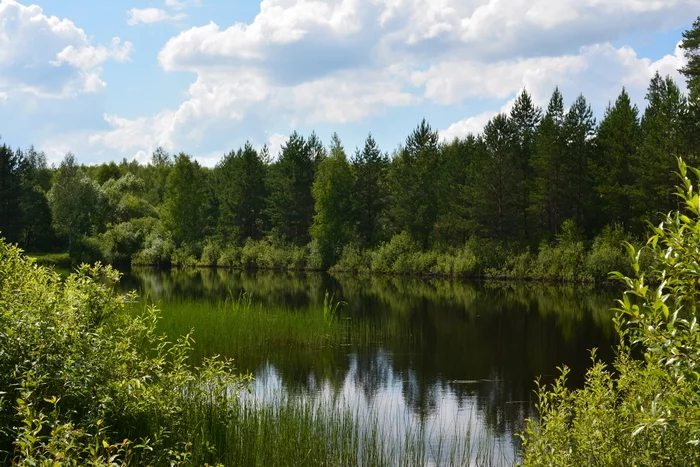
(151, 15)
(302, 62)
(181, 4)
(50, 57)
(598, 72)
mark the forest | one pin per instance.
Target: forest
(542, 193)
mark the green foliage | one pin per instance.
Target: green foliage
(210, 254)
(183, 213)
(89, 380)
(10, 194)
(691, 49)
(618, 139)
(121, 242)
(370, 193)
(241, 193)
(290, 205)
(608, 254)
(158, 250)
(332, 190)
(645, 411)
(414, 179)
(78, 204)
(85, 249)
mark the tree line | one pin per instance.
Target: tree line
(528, 174)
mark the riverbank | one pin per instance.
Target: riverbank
(566, 260)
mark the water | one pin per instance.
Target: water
(456, 358)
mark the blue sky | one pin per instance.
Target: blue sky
(108, 80)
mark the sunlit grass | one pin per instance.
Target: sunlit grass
(314, 430)
(242, 327)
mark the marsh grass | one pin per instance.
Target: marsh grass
(241, 327)
(313, 430)
(282, 427)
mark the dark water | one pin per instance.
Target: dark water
(471, 356)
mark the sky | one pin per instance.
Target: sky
(108, 80)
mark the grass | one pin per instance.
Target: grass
(313, 430)
(59, 260)
(242, 328)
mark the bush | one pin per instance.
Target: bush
(230, 257)
(608, 254)
(122, 241)
(392, 257)
(640, 412)
(210, 254)
(85, 250)
(158, 251)
(354, 259)
(85, 380)
(185, 256)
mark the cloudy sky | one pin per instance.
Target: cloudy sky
(110, 79)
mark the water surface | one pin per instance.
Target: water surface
(442, 356)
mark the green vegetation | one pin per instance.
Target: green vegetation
(85, 379)
(638, 411)
(233, 327)
(538, 194)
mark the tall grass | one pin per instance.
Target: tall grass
(241, 327)
(313, 430)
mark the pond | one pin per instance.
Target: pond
(453, 358)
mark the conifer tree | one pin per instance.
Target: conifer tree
(183, 213)
(547, 166)
(618, 142)
(370, 192)
(290, 205)
(415, 180)
(525, 117)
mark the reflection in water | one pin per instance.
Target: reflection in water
(468, 356)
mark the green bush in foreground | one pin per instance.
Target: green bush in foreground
(640, 411)
(85, 380)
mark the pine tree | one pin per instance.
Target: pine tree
(414, 181)
(10, 194)
(661, 140)
(579, 131)
(290, 205)
(618, 141)
(370, 192)
(241, 193)
(497, 205)
(525, 117)
(547, 166)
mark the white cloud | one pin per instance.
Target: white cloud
(598, 72)
(151, 15)
(302, 62)
(50, 57)
(275, 143)
(181, 5)
(470, 125)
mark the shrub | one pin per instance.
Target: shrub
(210, 254)
(314, 260)
(84, 378)
(647, 411)
(158, 250)
(391, 257)
(85, 250)
(230, 257)
(608, 254)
